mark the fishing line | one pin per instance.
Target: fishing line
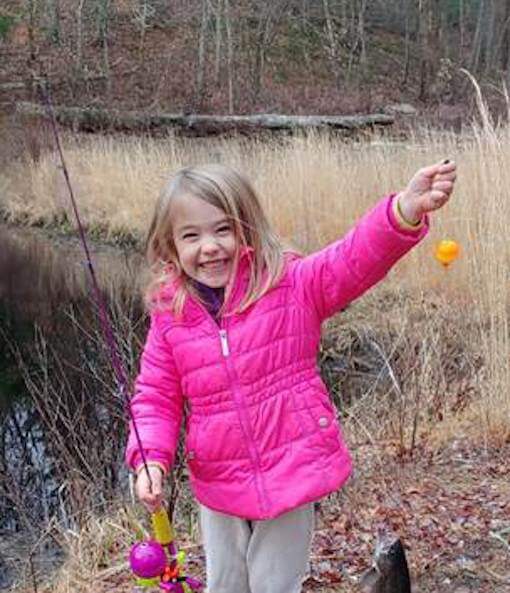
(106, 324)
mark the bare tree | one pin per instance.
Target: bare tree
(103, 34)
(462, 31)
(230, 57)
(408, 13)
(266, 16)
(53, 11)
(79, 35)
(482, 49)
(505, 46)
(429, 36)
(358, 47)
(334, 32)
(32, 7)
(143, 14)
(201, 57)
(218, 10)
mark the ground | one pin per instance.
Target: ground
(448, 506)
(451, 507)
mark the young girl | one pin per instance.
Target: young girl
(234, 334)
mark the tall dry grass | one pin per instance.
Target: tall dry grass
(314, 187)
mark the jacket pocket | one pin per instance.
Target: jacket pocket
(192, 433)
(316, 409)
(216, 437)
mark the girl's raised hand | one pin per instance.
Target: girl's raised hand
(429, 189)
(151, 498)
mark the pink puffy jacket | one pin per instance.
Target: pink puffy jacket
(262, 436)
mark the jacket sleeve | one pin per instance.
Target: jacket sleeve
(331, 278)
(157, 403)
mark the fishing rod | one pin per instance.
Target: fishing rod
(154, 562)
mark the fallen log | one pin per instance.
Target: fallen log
(102, 120)
(17, 85)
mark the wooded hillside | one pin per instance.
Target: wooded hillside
(226, 56)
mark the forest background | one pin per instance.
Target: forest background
(418, 369)
(248, 56)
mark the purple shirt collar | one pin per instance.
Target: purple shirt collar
(211, 297)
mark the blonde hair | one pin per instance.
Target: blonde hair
(228, 190)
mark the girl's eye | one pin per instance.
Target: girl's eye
(224, 229)
(187, 236)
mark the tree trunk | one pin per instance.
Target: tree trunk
(259, 63)
(200, 82)
(32, 18)
(478, 40)
(54, 16)
(491, 48)
(462, 31)
(422, 37)
(332, 44)
(103, 33)
(429, 19)
(143, 15)
(358, 34)
(407, 53)
(218, 41)
(79, 36)
(505, 46)
(230, 57)
(362, 35)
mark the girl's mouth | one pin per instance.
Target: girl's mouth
(214, 266)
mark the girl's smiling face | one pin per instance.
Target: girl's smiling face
(204, 239)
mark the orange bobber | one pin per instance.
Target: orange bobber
(447, 251)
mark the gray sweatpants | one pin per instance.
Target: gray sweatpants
(257, 556)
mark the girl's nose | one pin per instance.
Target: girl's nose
(210, 246)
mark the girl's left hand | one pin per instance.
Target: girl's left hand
(429, 189)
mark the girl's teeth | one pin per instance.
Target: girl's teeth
(213, 265)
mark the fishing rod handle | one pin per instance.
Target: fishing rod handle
(162, 528)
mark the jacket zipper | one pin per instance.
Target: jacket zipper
(225, 350)
(243, 416)
(241, 408)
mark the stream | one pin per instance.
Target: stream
(56, 424)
